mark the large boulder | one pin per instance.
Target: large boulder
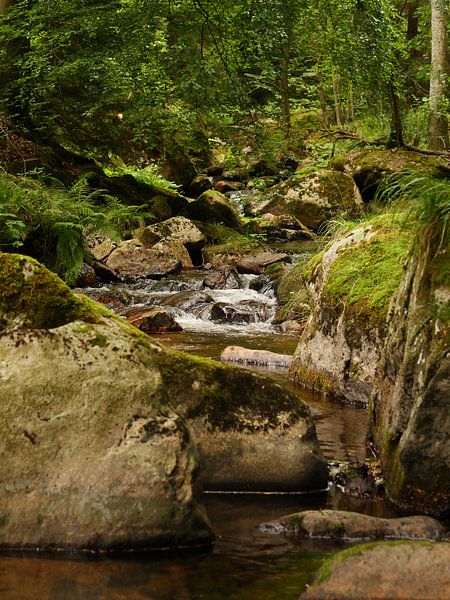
(340, 524)
(312, 199)
(177, 229)
(213, 207)
(385, 571)
(410, 410)
(95, 450)
(91, 459)
(177, 238)
(132, 260)
(252, 433)
(370, 167)
(350, 285)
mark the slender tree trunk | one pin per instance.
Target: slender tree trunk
(396, 135)
(285, 101)
(337, 99)
(438, 138)
(322, 99)
(350, 105)
(413, 20)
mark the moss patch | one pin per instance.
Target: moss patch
(325, 571)
(38, 298)
(365, 276)
(312, 379)
(224, 240)
(201, 387)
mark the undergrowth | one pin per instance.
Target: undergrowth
(44, 219)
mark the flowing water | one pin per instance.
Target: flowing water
(245, 563)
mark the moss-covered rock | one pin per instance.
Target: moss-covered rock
(384, 571)
(95, 451)
(92, 460)
(251, 432)
(312, 199)
(350, 285)
(32, 296)
(213, 207)
(370, 167)
(410, 412)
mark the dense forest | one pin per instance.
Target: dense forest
(225, 268)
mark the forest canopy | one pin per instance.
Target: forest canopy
(149, 80)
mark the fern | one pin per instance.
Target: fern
(53, 222)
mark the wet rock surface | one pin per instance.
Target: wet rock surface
(154, 320)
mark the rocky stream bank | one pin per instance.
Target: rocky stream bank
(114, 453)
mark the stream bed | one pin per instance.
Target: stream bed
(245, 563)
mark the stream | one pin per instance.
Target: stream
(245, 563)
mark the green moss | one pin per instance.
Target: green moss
(292, 281)
(365, 276)
(224, 240)
(311, 379)
(35, 295)
(312, 264)
(218, 392)
(325, 571)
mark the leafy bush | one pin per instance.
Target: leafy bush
(52, 223)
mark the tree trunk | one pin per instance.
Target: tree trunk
(322, 99)
(438, 138)
(285, 102)
(337, 99)
(396, 135)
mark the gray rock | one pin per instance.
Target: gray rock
(252, 433)
(248, 356)
(410, 410)
(132, 260)
(256, 263)
(339, 524)
(91, 459)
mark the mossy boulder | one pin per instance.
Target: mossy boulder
(350, 285)
(384, 571)
(312, 199)
(175, 238)
(410, 411)
(214, 207)
(96, 452)
(91, 459)
(370, 167)
(252, 433)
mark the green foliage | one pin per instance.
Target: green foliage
(148, 175)
(424, 199)
(52, 223)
